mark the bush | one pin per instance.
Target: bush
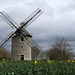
(4, 54)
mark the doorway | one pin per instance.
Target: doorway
(21, 57)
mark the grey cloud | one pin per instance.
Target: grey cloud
(66, 8)
(43, 5)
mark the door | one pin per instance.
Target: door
(21, 57)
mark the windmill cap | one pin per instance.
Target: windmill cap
(26, 32)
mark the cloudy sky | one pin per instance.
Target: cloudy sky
(58, 19)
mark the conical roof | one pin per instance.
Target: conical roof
(26, 32)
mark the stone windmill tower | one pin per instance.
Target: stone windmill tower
(21, 48)
(21, 39)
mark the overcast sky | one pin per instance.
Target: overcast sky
(58, 19)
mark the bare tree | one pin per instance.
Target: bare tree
(4, 54)
(61, 49)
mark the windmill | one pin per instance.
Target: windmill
(21, 39)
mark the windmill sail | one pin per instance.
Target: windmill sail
(3, 42)
(25, 23)
(31, 18)
(33, 43)
(8, 19)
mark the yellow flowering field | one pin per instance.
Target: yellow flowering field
(37, 67)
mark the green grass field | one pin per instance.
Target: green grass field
(37, 67)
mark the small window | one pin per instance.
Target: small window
(22, 39)
(21, 46)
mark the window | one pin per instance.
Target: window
(22, 39)
(21, 46)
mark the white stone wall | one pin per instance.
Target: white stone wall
(20, 48)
